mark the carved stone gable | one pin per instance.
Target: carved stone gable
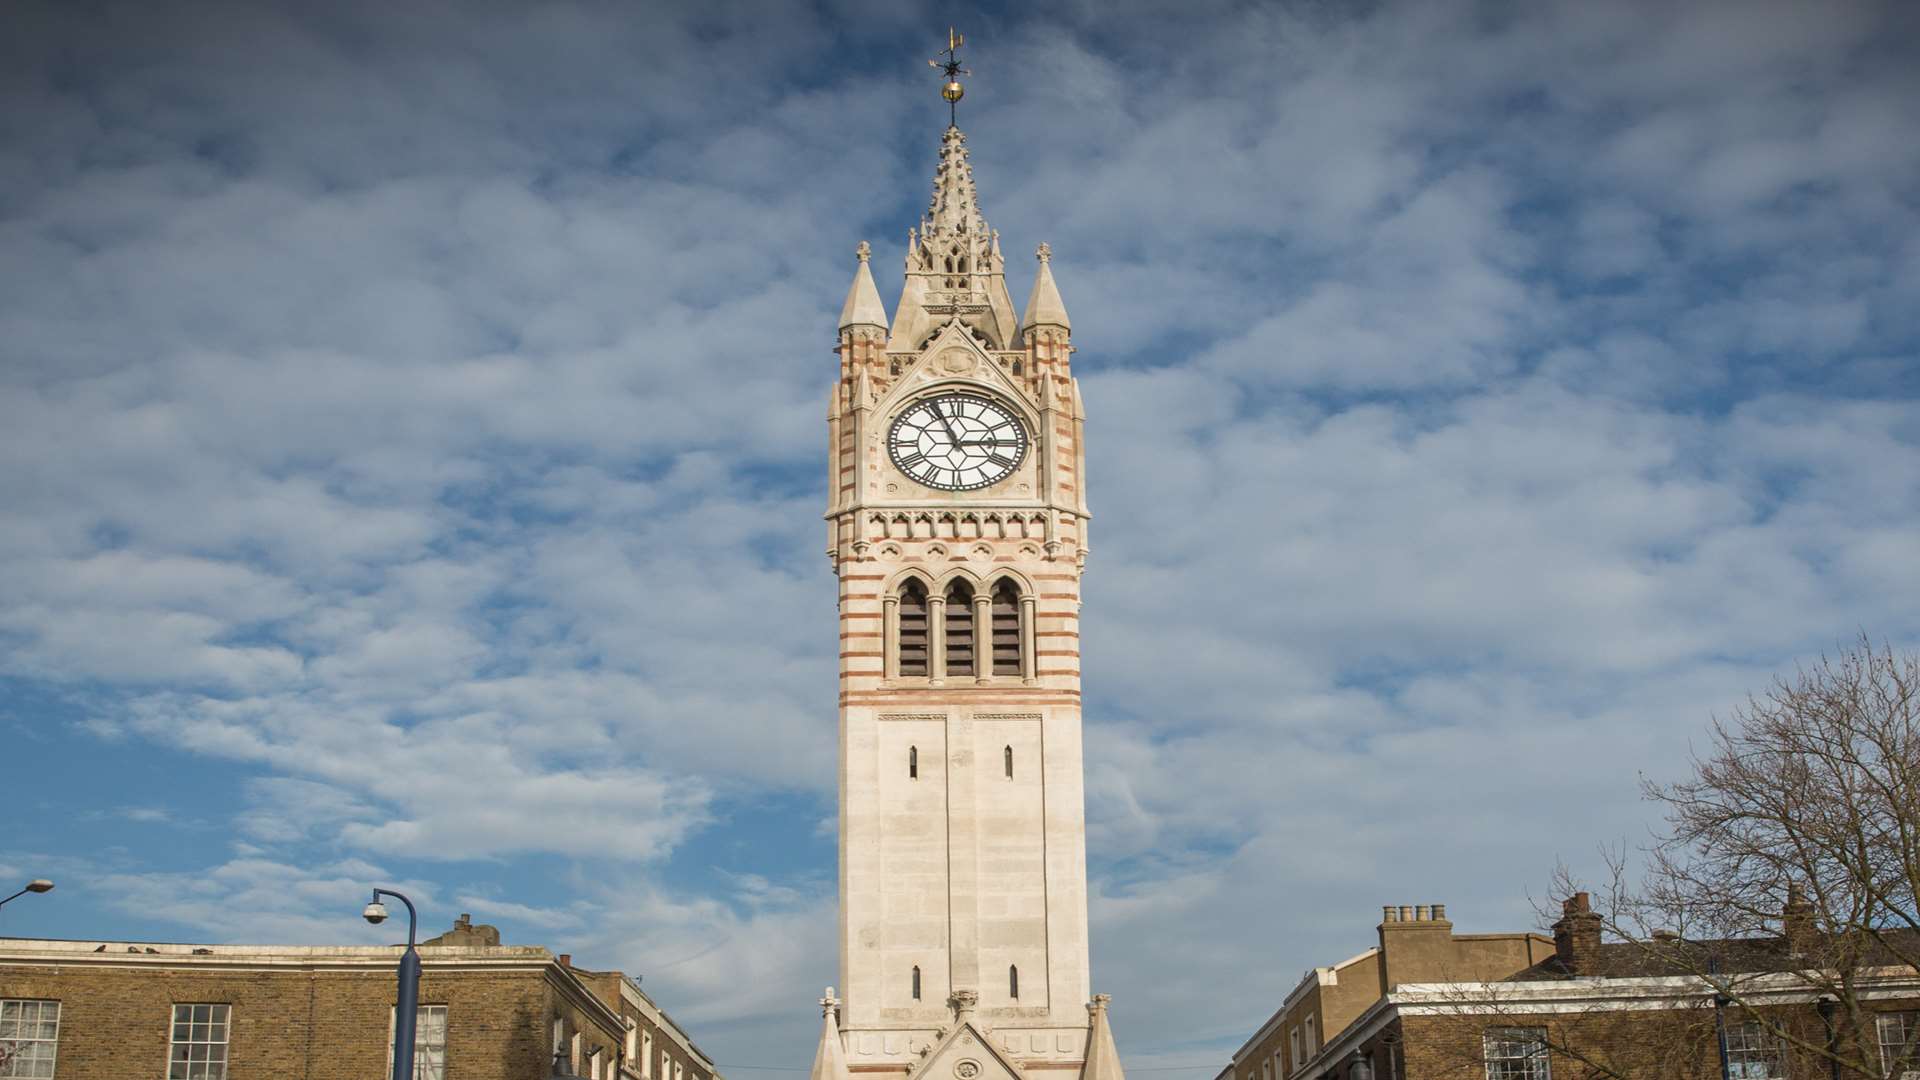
(967, 1054)
(954, 354)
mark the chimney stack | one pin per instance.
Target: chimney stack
(1576, 937)
(1797, 924)
(1416, 943)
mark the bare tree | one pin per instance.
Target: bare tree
(1778, 903)
(1789, 864)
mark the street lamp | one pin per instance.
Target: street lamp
(36, 885)
(407, 1008)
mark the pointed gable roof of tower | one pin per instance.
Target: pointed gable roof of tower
(1103, 1057)
(1044, 305)
(863, 306)
(830, 1061)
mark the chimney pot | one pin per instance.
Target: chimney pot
(1406, 912)
(1389, 913)
(1423, 913)
(566, 960)
(1439, 911)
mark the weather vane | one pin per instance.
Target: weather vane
(951, 68)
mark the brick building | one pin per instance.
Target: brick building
(92, 1010)
(1427, 1004)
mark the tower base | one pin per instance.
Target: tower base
(969, 1049)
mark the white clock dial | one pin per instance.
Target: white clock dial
(957, 442)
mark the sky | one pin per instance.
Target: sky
(413, 420)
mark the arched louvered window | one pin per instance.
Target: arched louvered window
(1013, 982)
(912, 635)
(1007, 754)
(960, 651)
(913, 763)
(916, 984)
(1006, 629)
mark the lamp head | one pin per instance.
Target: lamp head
(39, 885)
(375, 913)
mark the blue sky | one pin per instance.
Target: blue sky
(413, 420)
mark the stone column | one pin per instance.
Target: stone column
(937, 638)
(1028, 613)
(890, 636)
(982, 638)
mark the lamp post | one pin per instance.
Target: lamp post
(407, 1008)
(37, 885)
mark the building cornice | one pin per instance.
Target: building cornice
(314, 959)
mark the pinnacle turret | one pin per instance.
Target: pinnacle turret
(863, 306)
(1044, 306)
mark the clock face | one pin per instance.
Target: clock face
(957, 442)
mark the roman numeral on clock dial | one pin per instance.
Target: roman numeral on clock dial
(957, 441)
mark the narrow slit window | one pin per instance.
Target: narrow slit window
(916, 984)
(959, 630)
(1013, 982)
(913, 763)
(912, 635)
(1007, 756)
(1005, 627)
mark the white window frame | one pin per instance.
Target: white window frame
(200, 1030)
(1899, 1051)
(23, 1026)
(646, 1054)
(1293, 1041)
(424, 1066)
(1516, 1053)
(679, 1071)
(1313, 1043)
(1755, 1053)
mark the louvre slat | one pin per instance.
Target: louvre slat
(1006, 630)
(913, 632)
(959, 631)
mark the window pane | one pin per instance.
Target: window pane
(32, 1032)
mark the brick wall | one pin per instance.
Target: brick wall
(289, 1023)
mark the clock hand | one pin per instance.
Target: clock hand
(946, 423)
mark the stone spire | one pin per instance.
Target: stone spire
(830, 1061)
(863, 306)
(955, 210)
(954, 267)
(1043, 305)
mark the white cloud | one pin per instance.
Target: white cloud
(426, 424)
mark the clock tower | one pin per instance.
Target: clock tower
(957, 523)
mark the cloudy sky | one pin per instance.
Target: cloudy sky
(412, 419)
